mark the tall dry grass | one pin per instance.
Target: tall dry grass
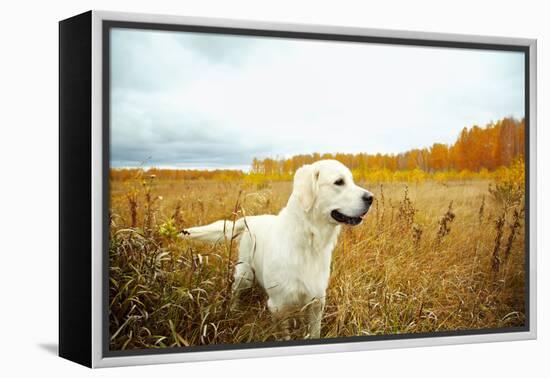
(424, 260)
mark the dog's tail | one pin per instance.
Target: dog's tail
(216, 231)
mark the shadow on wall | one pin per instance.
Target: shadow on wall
(51, 348)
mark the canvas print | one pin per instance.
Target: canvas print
(268, 190)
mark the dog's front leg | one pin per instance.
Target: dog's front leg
(315, 314)
(280, 314)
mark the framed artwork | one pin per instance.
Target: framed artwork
(238, 188)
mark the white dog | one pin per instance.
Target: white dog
(289, 254)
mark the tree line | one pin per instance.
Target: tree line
(495, 145)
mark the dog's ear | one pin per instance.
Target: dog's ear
(305, 186)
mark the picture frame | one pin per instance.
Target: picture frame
(84, 162)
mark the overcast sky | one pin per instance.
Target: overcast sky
(193, 100)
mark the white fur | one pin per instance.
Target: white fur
(289, 254)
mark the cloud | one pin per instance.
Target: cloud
(196, 100)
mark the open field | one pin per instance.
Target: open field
(430, 256)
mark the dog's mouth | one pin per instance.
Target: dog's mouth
(342, 218)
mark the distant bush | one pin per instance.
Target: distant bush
(509, 188)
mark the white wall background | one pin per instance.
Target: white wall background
(28, 189)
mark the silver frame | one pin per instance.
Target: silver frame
(98, 360)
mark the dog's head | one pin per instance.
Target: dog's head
(326, 188)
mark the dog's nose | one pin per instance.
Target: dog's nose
(368, 198)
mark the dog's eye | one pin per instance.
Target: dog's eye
(339, 182)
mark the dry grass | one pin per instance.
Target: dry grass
(423, 261)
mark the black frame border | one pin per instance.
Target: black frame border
(108, 25)
(75, 188)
